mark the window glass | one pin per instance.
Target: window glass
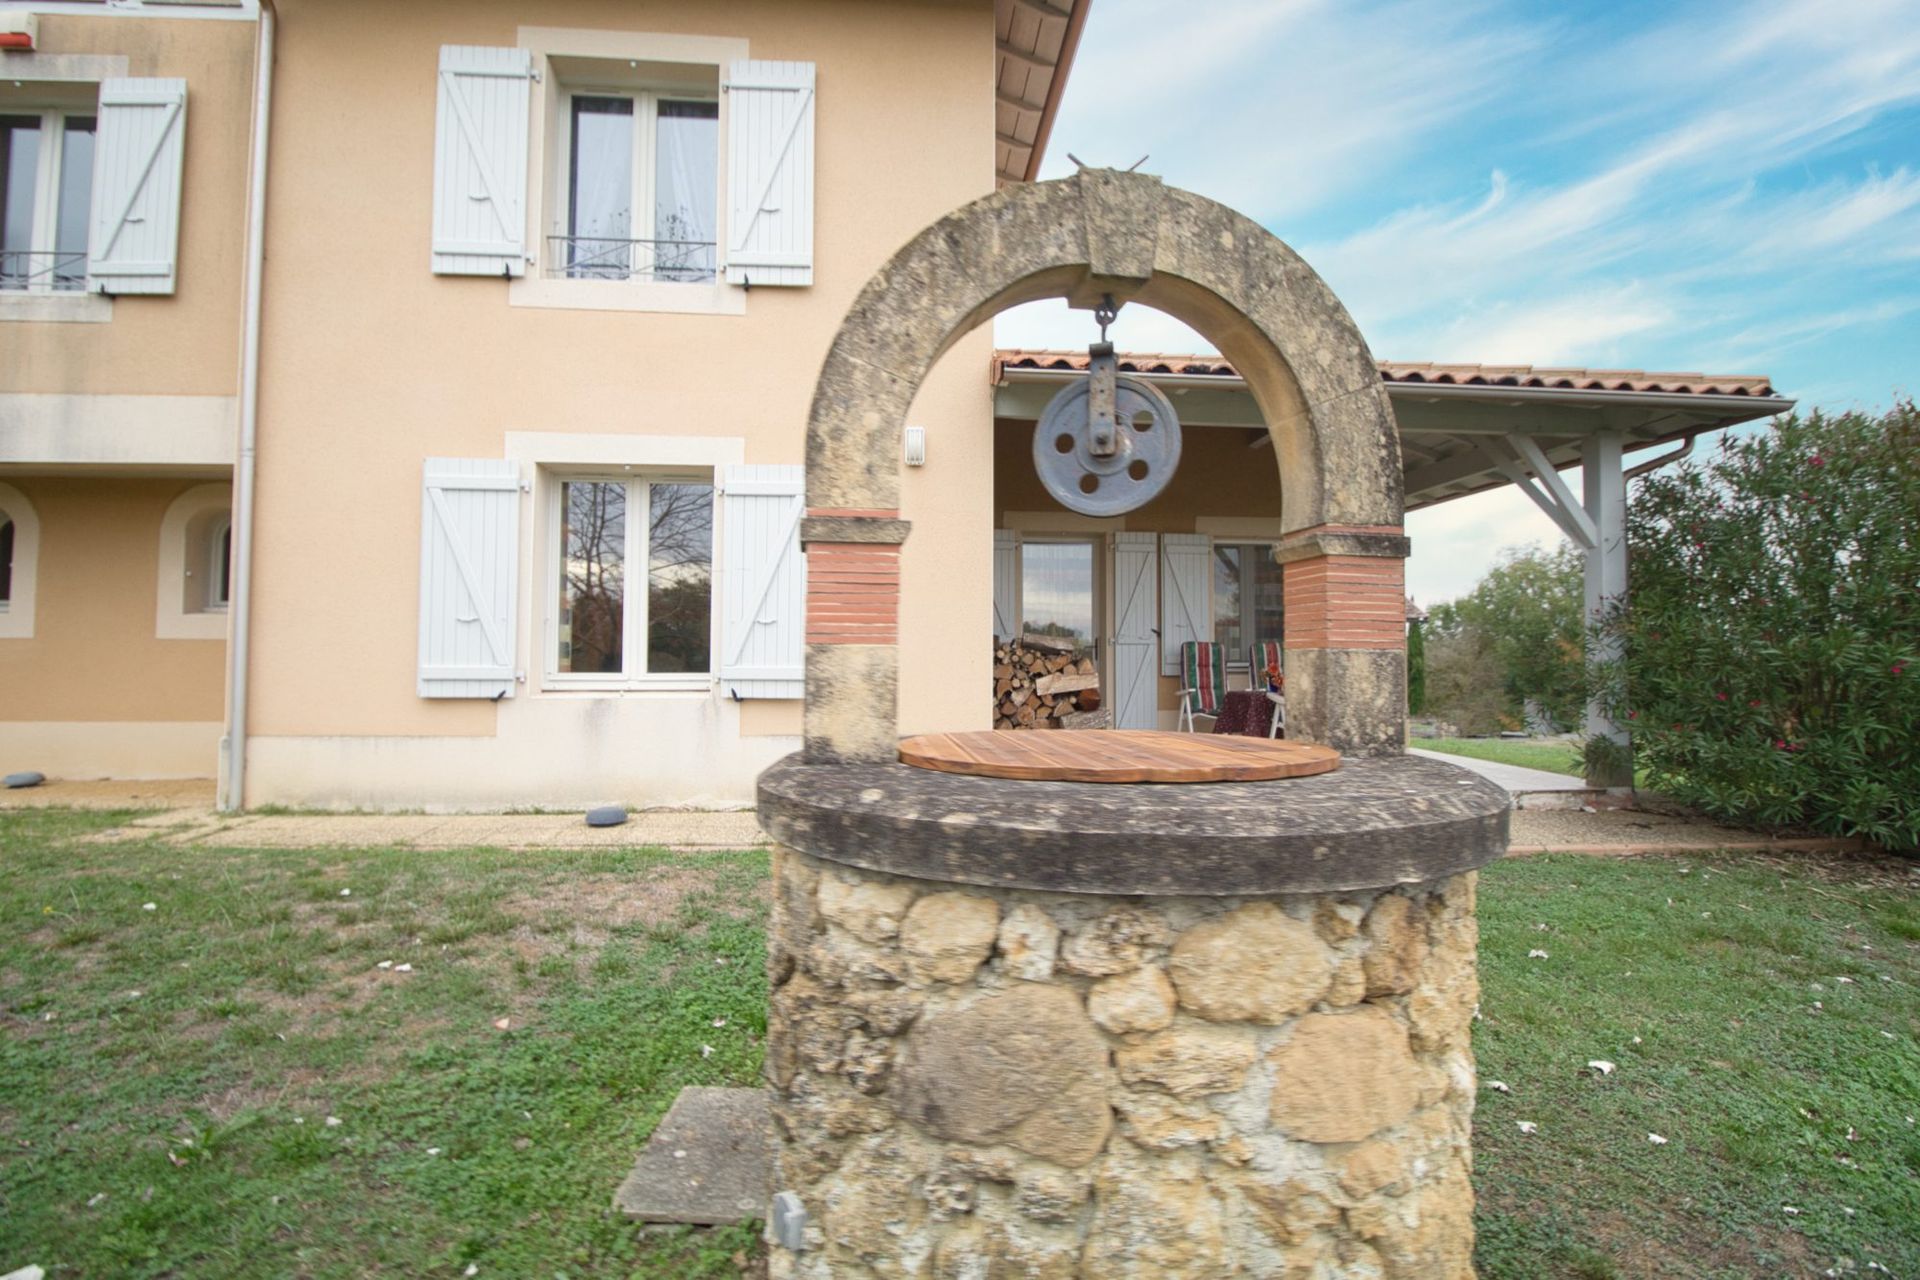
(19, 172)
(76, 191)
(1266, 605)
(1227, 625)
(1056, 590)
(686, 187)
(679, 577)
(600, 189)
(6, 560)
(221, 570)
(593, 540)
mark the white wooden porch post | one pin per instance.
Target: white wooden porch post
(1605, 484)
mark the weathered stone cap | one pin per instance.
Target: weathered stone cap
(1367, 825)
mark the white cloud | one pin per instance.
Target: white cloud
(1052, 324)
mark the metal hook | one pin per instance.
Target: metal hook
(1103, 315)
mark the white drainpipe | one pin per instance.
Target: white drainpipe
(233, 744)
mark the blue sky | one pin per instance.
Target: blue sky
(1717, 187)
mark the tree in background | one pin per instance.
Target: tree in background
(1416, 668)
(1772, 629)
(1514, 639)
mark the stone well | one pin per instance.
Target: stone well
(1063, 1029)
(1048, 1029)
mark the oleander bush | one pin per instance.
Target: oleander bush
(1771, 670)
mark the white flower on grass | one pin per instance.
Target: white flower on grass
(386, 964)
(346, 893)
(1525, 1126)
(1536, 954)
(1601, 1065)
(706, 1051)
(1790, 1210)
(1847, 980)
(403, 968)
(502, 1024)
(1499, 1086)
(97, 1200)
(433, 1151)
(149, 906)
(1636, 1039)
(719, 1022)
(334, 1122)
(1656, 1140)
(473, 1269)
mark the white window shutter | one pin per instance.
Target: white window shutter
(1006, 584)
(770, 173)
(480, 161)
(469, 561)
(133, 239)
(763, 581)
(1186, 595)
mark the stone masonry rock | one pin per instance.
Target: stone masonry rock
(1024, 1066)
(1255, 964)
(870, 910)
(1137, 1001)
(949, 935)
(1396, 945)
(1188, 1060)
(1116, 942)
(1029, 941)
(1343, 1077)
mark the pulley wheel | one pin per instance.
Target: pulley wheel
(1146, 449)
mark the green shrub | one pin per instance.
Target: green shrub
(1514, 639)
(1416, 669)
(1772, 636)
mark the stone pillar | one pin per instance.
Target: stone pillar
(1603, 479)
(1346, 636)
(1169, 1072)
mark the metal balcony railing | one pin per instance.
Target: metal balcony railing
(603, 258)
(41, 270)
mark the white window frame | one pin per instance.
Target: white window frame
(1102, 587)
(178, 562)
(646, 121)
(549, 138)
(633, 621)
(46, 189)
(64, 77)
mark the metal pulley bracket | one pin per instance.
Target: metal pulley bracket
(1106, 444)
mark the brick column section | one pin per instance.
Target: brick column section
(853, 587)
(1345, 587)
(1346, 636)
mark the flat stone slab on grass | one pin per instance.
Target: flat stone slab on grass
(709, 1163)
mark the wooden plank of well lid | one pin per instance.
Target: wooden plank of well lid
(1126, 755)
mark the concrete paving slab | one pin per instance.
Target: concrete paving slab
(1513, 777)
(709, 1163)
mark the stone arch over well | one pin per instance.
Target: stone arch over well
(1129, 235)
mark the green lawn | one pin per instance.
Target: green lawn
(1554, 757)
(166, 1076)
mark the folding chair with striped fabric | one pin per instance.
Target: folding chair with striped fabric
(1261, 658)
(1203, 679)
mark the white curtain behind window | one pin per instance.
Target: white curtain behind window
(686, 189)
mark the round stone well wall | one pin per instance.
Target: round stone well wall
(1064, 1030)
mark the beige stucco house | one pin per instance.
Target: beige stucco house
(404, 405)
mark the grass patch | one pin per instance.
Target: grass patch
(166, 1076)
(1554, 757)
(1774, 1082)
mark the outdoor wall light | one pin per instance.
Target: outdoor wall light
(914, 446)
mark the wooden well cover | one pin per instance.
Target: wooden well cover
(1125, 755)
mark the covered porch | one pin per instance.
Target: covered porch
(1196, 563)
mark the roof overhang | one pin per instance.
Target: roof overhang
(1442, 424)
(1034, 44)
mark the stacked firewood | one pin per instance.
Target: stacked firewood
(1038, 683)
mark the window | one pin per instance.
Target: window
(1247, 597)
(196, 554)
(1057, 590)
(19, 550)
(608, 627)
(6, 561)
(46, 189)
(640, 198)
